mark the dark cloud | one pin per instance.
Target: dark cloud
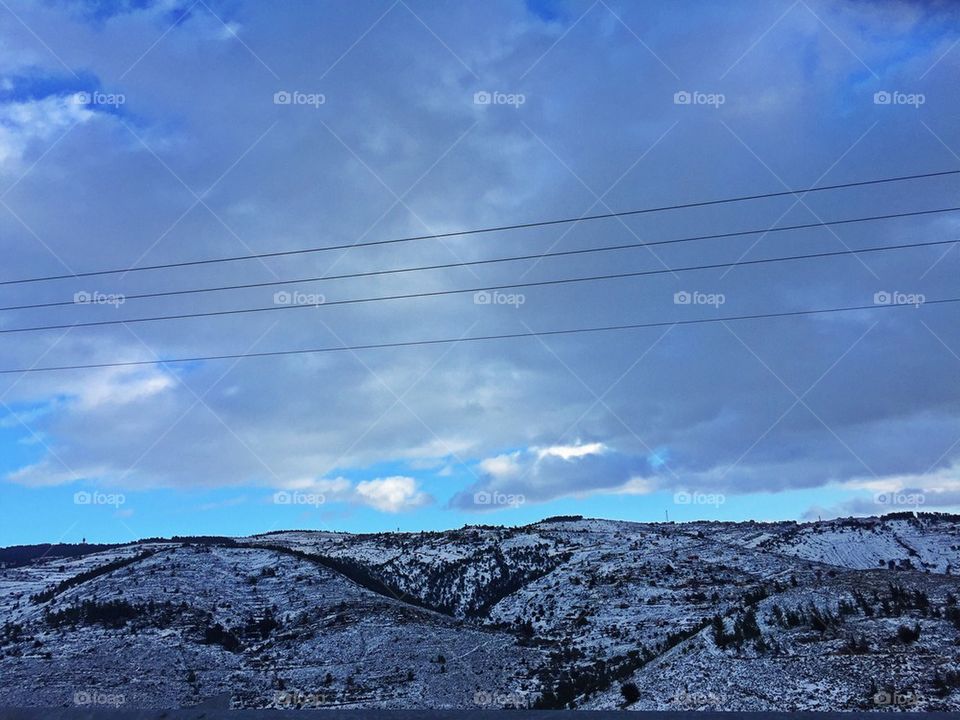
(541, 474)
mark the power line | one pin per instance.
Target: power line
(461, 291)
(514, 258)
(447, 341)
(478, 231)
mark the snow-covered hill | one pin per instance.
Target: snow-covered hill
(923, 543)
(847, 614)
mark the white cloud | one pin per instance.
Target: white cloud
(936, 490)
(502, 466)
(945, 479)
(571, 452)
(636, 486)
(22, 123)
(392, 494)
(51, 472)
(120, 386)
(330, 487)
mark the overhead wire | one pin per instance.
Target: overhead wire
(475, 338)
(321, 302)
(478, 231)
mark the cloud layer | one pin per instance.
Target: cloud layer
(199, 161)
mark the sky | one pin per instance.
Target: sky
(154, 132)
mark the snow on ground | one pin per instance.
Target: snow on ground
(562, 613)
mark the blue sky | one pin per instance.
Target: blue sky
(140, 133)
(126, 516)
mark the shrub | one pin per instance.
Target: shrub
(907, 635)
(218, 635)
(630, 693)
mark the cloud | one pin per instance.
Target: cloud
(502, 466)
(706, 407)
(571, 452)
(14, 419)
(540, 474)
(113, 387)
(51, 471)
(392, 494)
(931, 491)
(24, 124)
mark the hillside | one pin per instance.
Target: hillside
(845, 614)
